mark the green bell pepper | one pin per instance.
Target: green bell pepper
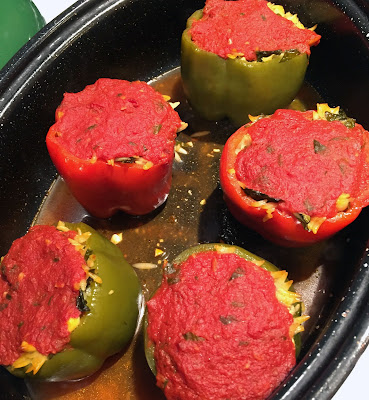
(108, 326)
(234, 88)
(19, 21)
(221, 247)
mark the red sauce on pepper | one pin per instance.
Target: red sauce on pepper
(37, 294)
(115, 118)
(219, 331)
(248, 26)
(304, 162)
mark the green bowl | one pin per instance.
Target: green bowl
(19, 21)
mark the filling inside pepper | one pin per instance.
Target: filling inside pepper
(118, 122)
(251, 29)
(309, 164)
(217, 321)
(43, 280)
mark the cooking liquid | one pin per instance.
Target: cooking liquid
(194, 213)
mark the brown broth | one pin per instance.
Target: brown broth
(194, 213)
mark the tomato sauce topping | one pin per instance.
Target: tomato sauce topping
(307, 164)
(219, 331)
(115, 118)
(245, 27)
(38, 293)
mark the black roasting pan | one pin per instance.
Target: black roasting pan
(140, 39)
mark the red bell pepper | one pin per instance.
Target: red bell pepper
(270, 217)
(103, 189)
(113, 144)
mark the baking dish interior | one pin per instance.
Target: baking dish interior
(140, 39)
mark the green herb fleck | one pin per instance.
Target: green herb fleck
(91, 127)
(263, 17)
(343, 167)
(318, 147)
(156, 129)
(237, 304)
(226, 320)
(191, 336)
(270, 149)
(160, 105)
(280, 160)
(8, 296)
(238, 272)
(56, 259)
(243, 343)
(336, 138)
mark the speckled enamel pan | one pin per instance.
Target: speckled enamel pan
(140, 39)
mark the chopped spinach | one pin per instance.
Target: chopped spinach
(88, 253)
(256, 195)
(304, 219)
(81, 302)
(342, 117)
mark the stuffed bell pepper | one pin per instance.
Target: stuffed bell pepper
(224, 324)
(69, 300)
(243, 57)
(297, 177)
(113, 143)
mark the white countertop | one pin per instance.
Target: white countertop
(49, 9)
(355, 387)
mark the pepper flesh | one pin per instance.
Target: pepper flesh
(110, 323)
(275, 224)
(234, 87)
